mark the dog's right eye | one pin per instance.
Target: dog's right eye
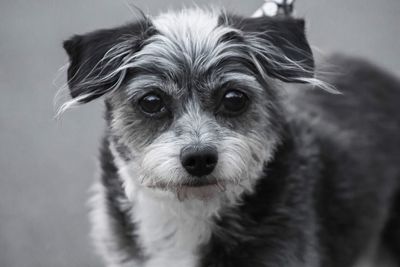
(152, 104)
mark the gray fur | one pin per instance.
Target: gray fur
(304, 177)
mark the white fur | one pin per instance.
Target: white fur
(102, 230)
(192, 35)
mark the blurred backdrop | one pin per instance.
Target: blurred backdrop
(47, 166)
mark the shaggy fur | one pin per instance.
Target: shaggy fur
(304, 177)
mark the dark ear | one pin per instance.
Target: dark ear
(279, 44)
(97, 58)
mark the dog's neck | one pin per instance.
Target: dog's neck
(170, 231)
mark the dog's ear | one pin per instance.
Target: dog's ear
(279, 44)
(97, 58)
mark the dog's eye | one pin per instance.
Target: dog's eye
(234, 102)
(152, 104)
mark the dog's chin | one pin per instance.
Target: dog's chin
(203, 192)
(187, 191)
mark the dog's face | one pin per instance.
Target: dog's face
(192, 98)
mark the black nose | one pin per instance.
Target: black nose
(199, 161)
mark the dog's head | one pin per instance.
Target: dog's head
(192, 97)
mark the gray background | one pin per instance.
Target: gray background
(47, 166)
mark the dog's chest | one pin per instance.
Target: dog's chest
(169, 233)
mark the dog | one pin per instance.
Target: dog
(221, 149)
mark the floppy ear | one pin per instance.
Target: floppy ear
(97, 58)
(279, 44)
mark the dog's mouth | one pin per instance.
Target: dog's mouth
(199, 189)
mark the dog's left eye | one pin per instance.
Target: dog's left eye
(152, 104)
(234, 102)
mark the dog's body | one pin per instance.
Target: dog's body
(295, 177)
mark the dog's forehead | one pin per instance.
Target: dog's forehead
(189, 50)
(186, 43)
(193, 30)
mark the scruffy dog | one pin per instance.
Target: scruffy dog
(219, 152)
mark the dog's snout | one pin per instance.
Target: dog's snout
(199, 161)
